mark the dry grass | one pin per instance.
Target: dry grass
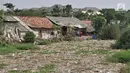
(62, 58)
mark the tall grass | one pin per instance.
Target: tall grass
(25, 46)
(7, 49)
(120, 57)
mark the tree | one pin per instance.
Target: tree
(120, 16)
(43, 12)
(56, 11)
(68, 10)
(98, 22)
(80, 15)
(109, 32)
(109, 14)
(124, 41)
(9, 6)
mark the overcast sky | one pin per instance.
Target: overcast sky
(74, 3)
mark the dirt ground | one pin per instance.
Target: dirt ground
(68, 57)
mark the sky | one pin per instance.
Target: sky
(75, 3)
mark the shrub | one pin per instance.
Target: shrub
(29, 37)
(120, 57)
(44, 42)
(109, 32)
(25, 46)
(56, 39)
(68, 38)
(124, 41)
(3, 44)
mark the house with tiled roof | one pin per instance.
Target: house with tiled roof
(42, 27)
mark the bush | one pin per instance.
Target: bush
(120, 57)
(109, 32)
(25, 46)
(56, 39)
(124, 41)
(68, 38)
(44, 42)
(29, 37)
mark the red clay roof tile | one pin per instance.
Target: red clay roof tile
(89, 22)
(36, 22)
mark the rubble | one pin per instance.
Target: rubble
(66, 61)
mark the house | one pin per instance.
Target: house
(70, 22)
(13, 29)
(94, 9)
(42, 27)
(89, 23)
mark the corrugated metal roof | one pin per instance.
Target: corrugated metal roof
(67, 21)
(71, 21)
(10, 18)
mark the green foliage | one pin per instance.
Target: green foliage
(49, 68)
(109, 32)
(29, 37)
(25, 46)
(124, 41)
(120, 16)
(80, 15)
(7, 48)
(109, 14)
(98, 23)
(68, 38)
(9, 6)
(56, 39)
(56, 11)
(44, 42)
(68, 10)
(120, 57)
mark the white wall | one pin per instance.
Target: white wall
(46, 33)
